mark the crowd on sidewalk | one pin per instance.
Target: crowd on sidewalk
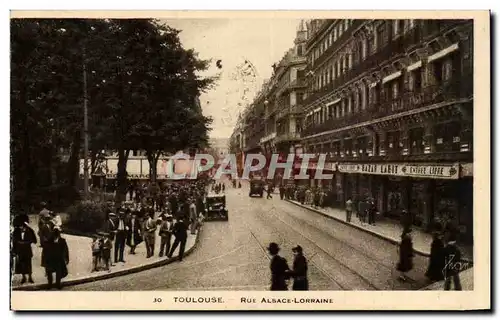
(445, 261)
(175, 211)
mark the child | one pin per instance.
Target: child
(106, 251)
(96, 253)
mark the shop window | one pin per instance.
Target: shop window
(416, 136)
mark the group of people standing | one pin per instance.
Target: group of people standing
(182, 207)
(281, 272)
(55, 252)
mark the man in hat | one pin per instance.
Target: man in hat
(180, 233)
(134, 237)
(279, 269)
(120, 236)
(193, 216)
(149, 234)
(299, 272)
(165, 233)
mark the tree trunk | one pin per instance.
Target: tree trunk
(73, 166)
(153, 157)
(121, 175)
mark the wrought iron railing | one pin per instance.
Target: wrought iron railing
(461, 88)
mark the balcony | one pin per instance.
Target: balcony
(461, 88)
(293, 85)
(268, 137)
(393, 48)
(287, 136)
(296, 109)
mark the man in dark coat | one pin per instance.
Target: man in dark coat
(57, 259)
(299, 272)
(279, 269)
(120, 236)
(452, 264)
(180, 233)
(23, 237)
(282, 191)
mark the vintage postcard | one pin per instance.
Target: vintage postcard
(250, 160)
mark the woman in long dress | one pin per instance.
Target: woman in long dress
(436, 259)
(22, 238)
(405, 254)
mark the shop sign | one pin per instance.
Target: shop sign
(436, 171)
(431, 171)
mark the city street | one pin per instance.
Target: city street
(232, 255)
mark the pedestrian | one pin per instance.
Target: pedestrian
(107, 245)
(348, 210)
(282, 191)
(239, 185)
(56, 220)
(279, 269)
(193, 217)
(23, 237)
(372, 211)
(165, 233)
(405, 254)
(96, 248)
(406, 219)
(180, 233)
(452, 266)
(362, 210)
(149, 234)
(269, 191)
(57, 258)
(110, 225)
(120, 236)
(435, 270)
(299, 272)
(134, 234)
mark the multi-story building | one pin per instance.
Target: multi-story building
(391, 103)
(283, 116)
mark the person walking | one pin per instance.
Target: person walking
(279, 269)
(57, 259)
(165, 233)
(149, 234)
(405, 254)
(299, 272)
(348, 210)
(180, 233)
(435, 270)
(282, 191)
(269, 191)
(453, 257)
(23, 237)
(120, 237)
(193, 216)
(372, 211)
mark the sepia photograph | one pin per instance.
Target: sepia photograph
(227, 156)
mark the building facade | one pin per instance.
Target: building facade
(391, 104)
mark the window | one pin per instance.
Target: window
(415, 80)
(393, 142)
(447, 71)
(394, 89)
(348, 146)
(447, 137)
(362, 144)
(416, 137)
(381, 35)
(299, 50)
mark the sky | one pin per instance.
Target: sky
(234, 41)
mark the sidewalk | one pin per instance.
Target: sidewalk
(80, 261)
(386, 229)
(466, 279)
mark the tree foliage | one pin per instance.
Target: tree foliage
(141, 87)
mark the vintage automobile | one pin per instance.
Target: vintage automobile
(215, 207)
(256, 187)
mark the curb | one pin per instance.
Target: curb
(376, 234)
(110, 275)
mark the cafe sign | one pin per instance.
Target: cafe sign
(433, 171)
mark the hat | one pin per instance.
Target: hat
(273, 247)
(111, 214)
(298, 249)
